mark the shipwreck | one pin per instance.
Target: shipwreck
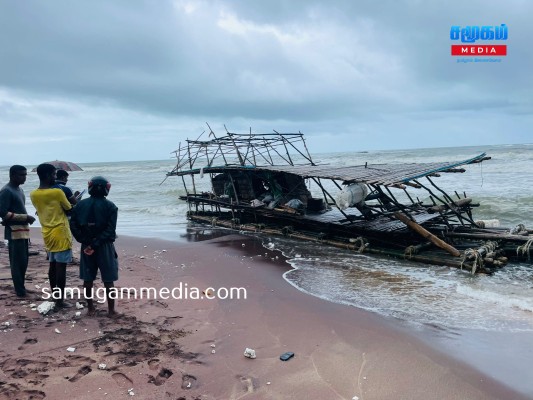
(262, 183)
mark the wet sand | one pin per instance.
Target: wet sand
(193, 349)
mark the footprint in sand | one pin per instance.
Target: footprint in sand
(30, 395)
(155, 303)
(122, 380)
(153, 364)
(81, 373)
(12, 391)
(188, 382)
(248, 383)
(76, 361)
(162, 377)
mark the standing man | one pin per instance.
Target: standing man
(17, 230)
(93, 223)
(52, 205)
(61, 183)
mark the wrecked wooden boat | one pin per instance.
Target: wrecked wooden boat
(269, 183)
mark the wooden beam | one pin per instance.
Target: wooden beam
(427, 235)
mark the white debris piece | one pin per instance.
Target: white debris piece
(130, 392)
(78, 313)
(33, 305)
(102, 366)
(213, 345)
(57, 330)
(79, 306)
(213, 351)
(355, 398)
(45, 307)
(164, 251)
(7, 323)
(250, 353)
(141, 257)
(71, 349)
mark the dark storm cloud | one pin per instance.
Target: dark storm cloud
(362, 69)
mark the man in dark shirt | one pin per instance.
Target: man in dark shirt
(17, 230)
(93, 223)
(61, 183)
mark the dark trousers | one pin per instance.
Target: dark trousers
(18, 261)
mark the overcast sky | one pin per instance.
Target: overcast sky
(120, 80)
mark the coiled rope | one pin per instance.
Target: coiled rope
(363, 244)
(478, 260)
(524, 249)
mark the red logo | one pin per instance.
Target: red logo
(479, 50)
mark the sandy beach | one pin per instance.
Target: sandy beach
(193, 348)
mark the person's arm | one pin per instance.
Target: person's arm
(75, 227)
(71, 197)
(65, 204)
(9, 217)
(108, 234)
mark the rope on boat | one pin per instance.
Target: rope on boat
(518, 229)
(362, 241)
(409, 252)
(287, 230)
(478, 259)
(524, 249)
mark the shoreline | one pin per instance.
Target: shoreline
(340, 351)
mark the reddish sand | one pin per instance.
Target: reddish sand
(193, 349)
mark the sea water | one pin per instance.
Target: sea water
(462, 308)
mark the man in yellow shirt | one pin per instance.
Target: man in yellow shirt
(51, 205)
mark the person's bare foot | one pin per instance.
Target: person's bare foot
(113, 315)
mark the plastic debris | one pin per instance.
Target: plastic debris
(243, 245)
(57, 330)
(7, 323)
(212, 351)
(213, 345)
(71, 349)
(45, 307)
(130, 392)
(102, 366)
(79, 306)
(141, 257)
(78, 313)
(355, 398)
(250, 353)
